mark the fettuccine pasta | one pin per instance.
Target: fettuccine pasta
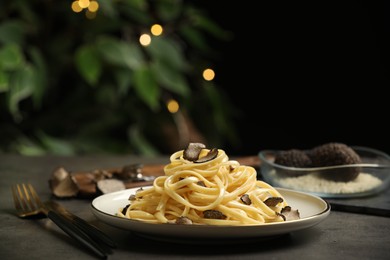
(218, 191)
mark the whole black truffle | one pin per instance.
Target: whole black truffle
(292, 158)
(332, 154)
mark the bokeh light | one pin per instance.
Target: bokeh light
(84, 3)
(173, 106)
(208, 74)
(76, 7)
(93, 6)
(156, 29)
(90, 15)
(145, 39)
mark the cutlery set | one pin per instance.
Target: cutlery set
(28, 204)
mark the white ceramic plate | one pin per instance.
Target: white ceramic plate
(312, 211)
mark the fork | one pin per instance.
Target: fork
(28, 203)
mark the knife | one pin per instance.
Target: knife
(90, 230)
(360, 209)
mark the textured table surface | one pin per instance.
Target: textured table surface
(342, 235)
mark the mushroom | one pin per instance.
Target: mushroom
(183, 221)
(212, 154)
(292, 158)
(191, 153)
(201, 183)
(289, 214)
(213, 214)
(245, 199)
(131, 172)
(110, 185)
(331, 154)
(62, 184)
(124, 210)
(273, 201)
(193, 150)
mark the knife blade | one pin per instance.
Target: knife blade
(92, 231)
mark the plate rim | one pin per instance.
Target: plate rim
(256, 231)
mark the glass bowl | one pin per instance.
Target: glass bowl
(373, 176)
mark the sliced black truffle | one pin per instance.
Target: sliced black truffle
(212, 154)
(273, 201)
(192, 151)
(131, 172)
(289, 214)
(183, 221)
(124, 210)
(245, 199)
(201, 183)
(332, 154)
(213, 214)
(110, 185)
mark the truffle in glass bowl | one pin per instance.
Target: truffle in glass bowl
(367, 173)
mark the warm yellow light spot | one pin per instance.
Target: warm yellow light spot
(93, 6)
(84, 3)
(90, 15)
(145, 39)
(173, 106)
(156, 29)
(208, 74)
(76, 7)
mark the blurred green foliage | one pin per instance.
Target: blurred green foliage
(73, 85)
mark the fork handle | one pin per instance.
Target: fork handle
(88, 229)
(92, 231)
(76, 233)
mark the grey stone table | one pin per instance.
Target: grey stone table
(341, 235)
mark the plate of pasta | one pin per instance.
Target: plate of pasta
(205, 197)
(313, 210)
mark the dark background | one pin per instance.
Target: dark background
(303, 73)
